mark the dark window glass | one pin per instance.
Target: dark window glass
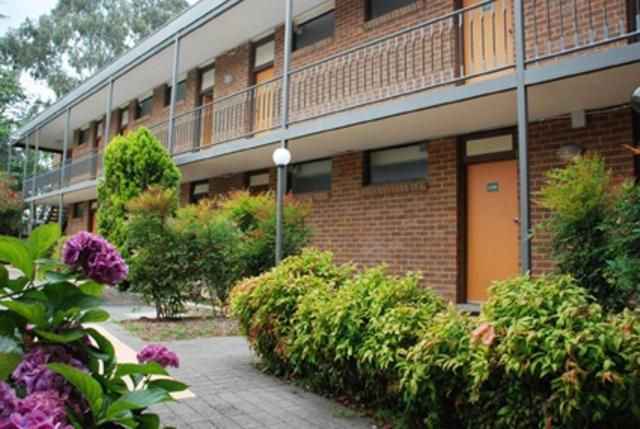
(377, 8)
(314, 30)
(145, 107)
(311, 176)
(78, 210)
(181, 92)
(84, 136)
(399, 163)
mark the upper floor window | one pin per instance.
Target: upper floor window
(314, 176)
(124, 120)
(181, 92)
(264, 53)
(199, 191)
(314, 30)
(207, 80)
(99, 132)
(83, 137)
(377, 8)
(145, 107)
(398, 164)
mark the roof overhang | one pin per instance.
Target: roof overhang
(207, 29)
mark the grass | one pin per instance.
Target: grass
(181, 329)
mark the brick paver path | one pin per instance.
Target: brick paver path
(231, 393)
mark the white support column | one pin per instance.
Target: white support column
(63, 167)
(32, 206)
(107, 122)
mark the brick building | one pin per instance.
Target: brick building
(415, 126)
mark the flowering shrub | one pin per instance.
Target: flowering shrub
(11, 205)
(542, 354)
(55, 371)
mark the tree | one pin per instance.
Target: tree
(77, 38)
(11, 206)
(132, 164)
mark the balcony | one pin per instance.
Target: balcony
(465, 46)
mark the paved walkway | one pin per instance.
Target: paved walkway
(231, 393)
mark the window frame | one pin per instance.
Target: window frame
(78, 210)
(368, 11)
(122, 127)
(290, 176)
(83, 131)
(195, 198)
(368, 167)
(167, 93)
(295, 42)
(254, 49)
(139, 104)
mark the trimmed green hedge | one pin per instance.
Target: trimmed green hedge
(542, 353)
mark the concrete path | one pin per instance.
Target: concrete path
(231, 393)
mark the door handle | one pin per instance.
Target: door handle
(516, 220)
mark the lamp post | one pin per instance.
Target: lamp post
(281, 158)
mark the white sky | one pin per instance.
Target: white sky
(17, 11)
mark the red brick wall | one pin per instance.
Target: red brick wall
(604, 134)
(75, 225)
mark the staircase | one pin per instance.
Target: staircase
(53, 216)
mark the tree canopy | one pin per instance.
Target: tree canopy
(78, 37)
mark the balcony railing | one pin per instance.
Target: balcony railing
(464, 46)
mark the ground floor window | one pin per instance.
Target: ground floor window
(199, 191)
(314, 176)
(258, 182)
(408, 162)
(78, 210)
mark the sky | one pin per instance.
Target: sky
(17, 11)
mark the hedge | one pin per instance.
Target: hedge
(542, 353)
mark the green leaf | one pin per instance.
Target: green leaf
(151, 368)
(15, 253)
(68, 336)
(86, 385)
(4, 276)
(95, 315)
(149, 421)
(9, 321)
(92, 289)
(42, 239)
(10, 356)
(136, 400)
(34, 313)
(168, 384)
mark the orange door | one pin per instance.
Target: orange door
(206, 119)
(492, 225)
(263, 101)
(488, 36)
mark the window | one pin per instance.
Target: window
(181, 92)
(377, 8)
(312, 176)
(496, 144)
(398, 163)
(199, 191)
(207, 80)
(145, 107)
(124, 120)
(78, 210)
(99, 132)
(83, 137)
(264, 54)
(258, 182)
(314, 30)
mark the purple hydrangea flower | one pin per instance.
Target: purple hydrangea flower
(31, 420)
(159, 354)
(48, 402)
(99, 260)
(33, 374)
(8, 401)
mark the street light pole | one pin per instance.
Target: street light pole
(282, 156)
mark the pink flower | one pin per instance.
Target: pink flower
(31, 420)
(159, 354)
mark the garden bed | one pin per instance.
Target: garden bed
(186, 328)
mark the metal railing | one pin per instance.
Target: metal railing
(459, 47)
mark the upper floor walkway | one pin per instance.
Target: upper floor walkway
(426, 56)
